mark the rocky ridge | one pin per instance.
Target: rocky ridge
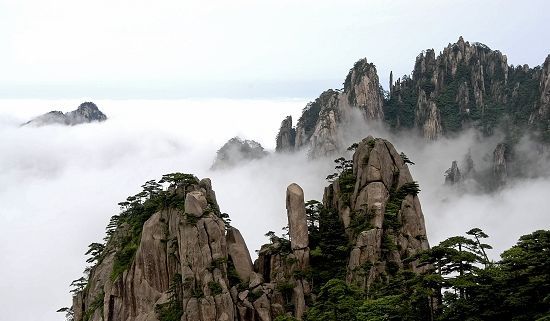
(466, 85)
(235, 151)
(172, 255)
(87, 112)
(320, 127)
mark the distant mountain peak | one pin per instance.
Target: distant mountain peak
(87, 112)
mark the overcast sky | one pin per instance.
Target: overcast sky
(241, 49)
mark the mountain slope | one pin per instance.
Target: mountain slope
(87, 112)
(172, 255)
(465, 86)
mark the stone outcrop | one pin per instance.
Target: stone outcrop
(180, 253)
(239, 254)
(541, 117)
(85, 113)
(380, 211)
(236, 151)
(467, 85)
(320, 129)
(187, 261)
(452, 175)
(286, 136)
(501, 156)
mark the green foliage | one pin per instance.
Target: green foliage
(139, 208)
(69, 313)
(406, 159)
(330, 249)
(353, 146)
(371, 143)
(381, 309)
(97, 303)
(285, 317)
(336, 301)
(191, 219)
(254, 295)
(397, 195)
(78, 285)
(360, 220)
(400, 106)
(215, 287)
(286, 289)
(123, 258)
(95, 250)
(172, 310)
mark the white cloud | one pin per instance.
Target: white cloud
(60, 184)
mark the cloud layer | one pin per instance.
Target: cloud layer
(61, 184)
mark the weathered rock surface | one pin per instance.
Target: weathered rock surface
(239, 254)
(189, 260)
(541, 117)
(452, 175)
(320, 128)
(296, 211)
(385, 205)
(85, 113)
(286, 136)
(466, 85)
(236, 151)
(501, 156)
(190, 263)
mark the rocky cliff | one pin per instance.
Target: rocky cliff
(377, 203)
(235, 151)
(172, 255)
(467, 85)
(85, 113)
(320, 128)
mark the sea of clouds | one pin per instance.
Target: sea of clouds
(60, 185)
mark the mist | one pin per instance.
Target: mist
(60, 185)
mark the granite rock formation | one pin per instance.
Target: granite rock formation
(171, 252)
(85, 113)
(380, 210)
(467, 85)
(319, 129)
(236, 151)
(452, 175)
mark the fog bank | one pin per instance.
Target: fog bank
(60, 185)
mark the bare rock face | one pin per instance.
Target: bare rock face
(237, 151)
(195, 203)
(452, 175)
(286, 136)
(541, 117)
(192, 264)
(362, 89)
(188, 262)
(85, 113)
(427, 117)
(454, 85)
(385, 206)
(296, 210)
(322, 125)
(545, 88)
(500, 159)
(180, 255)
(239, 254)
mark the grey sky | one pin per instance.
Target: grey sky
(173, 49)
